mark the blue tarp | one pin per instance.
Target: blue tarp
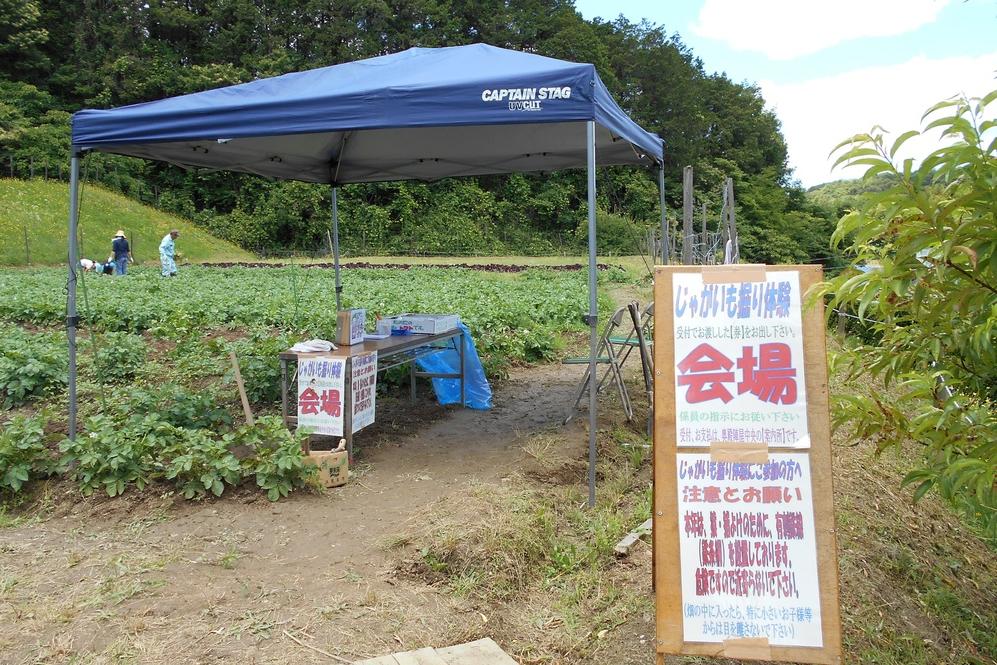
(423, 113)
(477, 392)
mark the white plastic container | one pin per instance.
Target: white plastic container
(425, 323)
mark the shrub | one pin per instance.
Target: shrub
(23, 454)
(930, 306)
(616, 235)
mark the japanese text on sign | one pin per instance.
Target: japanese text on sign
(320, 395)
(748, 550)
(739, 361)
(364, 385)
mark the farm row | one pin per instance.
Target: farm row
(156, 404)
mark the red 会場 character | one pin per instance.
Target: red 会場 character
(771, 376)
(704, 371)
(308, 402)
(331, 402)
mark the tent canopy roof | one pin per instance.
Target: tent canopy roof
(424, 113)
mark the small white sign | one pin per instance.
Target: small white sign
(358, 319)
(739, 362)
(321, 381)
(748, 550)
(364, 386)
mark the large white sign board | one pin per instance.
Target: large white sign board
(739, 372)
(748, 550)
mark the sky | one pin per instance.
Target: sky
(830, 70)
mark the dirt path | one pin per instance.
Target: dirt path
(152, 578)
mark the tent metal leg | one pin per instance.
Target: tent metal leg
(72, 320)
(335, 246)
(593, 308)
(664, 223)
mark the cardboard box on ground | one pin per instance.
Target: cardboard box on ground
(333, 465)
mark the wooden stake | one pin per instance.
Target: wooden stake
(242, 389)
(688, 234)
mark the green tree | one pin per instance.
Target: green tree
(929, 303)
(21, 37)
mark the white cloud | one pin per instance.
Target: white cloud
(785, 29)
(818, 114)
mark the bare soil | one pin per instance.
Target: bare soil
(152, 578)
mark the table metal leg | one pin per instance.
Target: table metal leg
(348, 409)
(412, 371)
(283, 390)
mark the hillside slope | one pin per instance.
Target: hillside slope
(41, 208)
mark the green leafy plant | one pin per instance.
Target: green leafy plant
(927, 298)
(172, 404)
(276, 462)
(31, 365)
(119, 356)
(23, 453)
(113, 455)
(260, 367)
(199, 464)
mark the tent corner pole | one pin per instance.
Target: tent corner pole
(72, 318)
(593, 309)
(335, 246)
(664, 222)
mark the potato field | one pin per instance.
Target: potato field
(157, 400)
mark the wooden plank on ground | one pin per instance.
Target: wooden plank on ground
(626, 544)
(481, 652)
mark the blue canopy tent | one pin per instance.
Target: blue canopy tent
(424, 113)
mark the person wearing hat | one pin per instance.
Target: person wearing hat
(167, 253)
(122, 253)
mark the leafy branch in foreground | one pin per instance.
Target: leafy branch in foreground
(928, 294)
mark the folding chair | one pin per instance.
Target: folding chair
(605, 355)
(623, 346)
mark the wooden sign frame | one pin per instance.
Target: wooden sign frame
(667, 572)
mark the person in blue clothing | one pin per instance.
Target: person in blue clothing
(122, 253)
(167, 254)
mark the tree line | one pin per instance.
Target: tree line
(57, 57)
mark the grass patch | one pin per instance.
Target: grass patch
(541, 558)
(42, 208)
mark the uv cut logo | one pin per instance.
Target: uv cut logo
(525, 99)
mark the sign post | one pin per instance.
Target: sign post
(744, 544)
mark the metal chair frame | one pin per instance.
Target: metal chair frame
(610, 358)
(623, 346)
